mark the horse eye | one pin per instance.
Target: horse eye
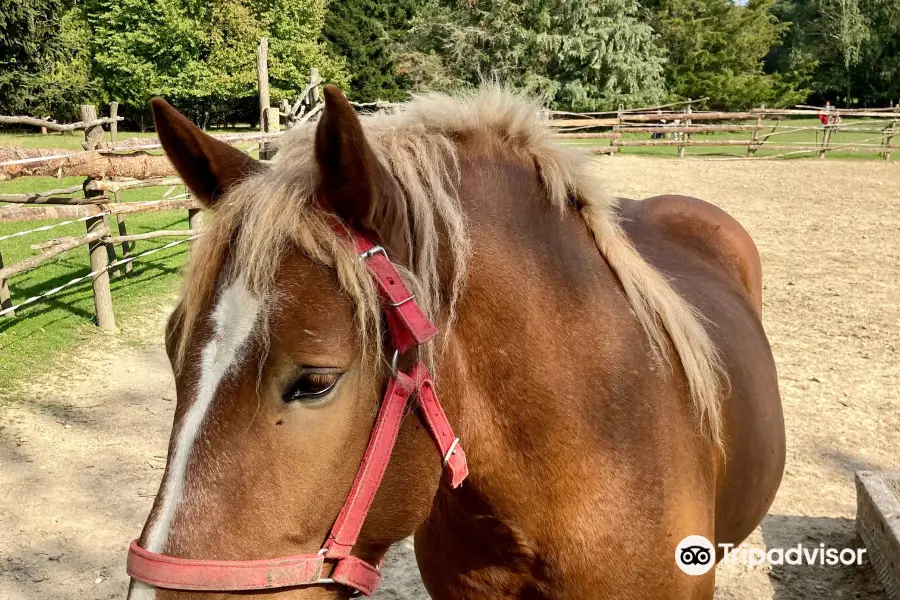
(311, 386)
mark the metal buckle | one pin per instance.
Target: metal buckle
(402, 302)
(451, 451)
(372, 252)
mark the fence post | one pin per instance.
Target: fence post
(754, 137)
(100, 259)
(195, 219)
(889, 138)
(268, 117)
(5, 299)
(684, 136)
(614, 142)
(262, 78)
(127, 247)
(92, 135)
(114, 124)
(313, 98)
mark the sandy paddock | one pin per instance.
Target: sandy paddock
(82, 450)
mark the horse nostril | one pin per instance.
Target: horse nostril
(279, 421)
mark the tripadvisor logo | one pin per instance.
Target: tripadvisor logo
(696, 555)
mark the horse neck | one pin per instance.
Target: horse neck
(543, 333)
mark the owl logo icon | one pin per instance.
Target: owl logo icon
(695, 555)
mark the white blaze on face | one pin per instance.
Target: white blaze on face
(233, 321)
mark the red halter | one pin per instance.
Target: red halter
(409, 327)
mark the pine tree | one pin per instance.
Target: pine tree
(366, 33)
(44, 65)
(717, 48)
(850, 47)
(577, 54)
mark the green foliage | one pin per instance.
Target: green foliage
(577, 54)
(202, 55)
(44, 65)
(716, 49)
(366, 33)
(852, 48)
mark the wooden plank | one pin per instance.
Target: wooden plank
(661, 128)
(65, 245)
(878, 524)
(600, 135)
(116, 185)
(58, 200)
(32, 213)
(725, 143)
(48, 197)
(47, 124)
(53, 162)
(582, 122)
(152, 234)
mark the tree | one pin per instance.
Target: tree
(44, 64)
(852, 48)
(716, 49)
(202, 55)
(367, 33)
(577, 54)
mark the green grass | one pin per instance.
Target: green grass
(42, 333)
(789, 139)
(72, 140)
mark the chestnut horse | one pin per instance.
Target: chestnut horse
(603, 362)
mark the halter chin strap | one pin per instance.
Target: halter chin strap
(409, 327)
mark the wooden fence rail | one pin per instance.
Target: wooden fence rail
(682, 124)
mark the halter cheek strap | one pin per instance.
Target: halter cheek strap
(409, 327)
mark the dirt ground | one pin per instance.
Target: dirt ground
(82, 449)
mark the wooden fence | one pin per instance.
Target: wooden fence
(99, 207)
(111, 168)
(676, 127)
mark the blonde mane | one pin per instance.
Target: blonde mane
(266, 215)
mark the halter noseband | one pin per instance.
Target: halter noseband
(409, 327)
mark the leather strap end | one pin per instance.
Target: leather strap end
(357, 574)
(457, 468)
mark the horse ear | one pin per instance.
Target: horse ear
(353, 184)
(207, 166)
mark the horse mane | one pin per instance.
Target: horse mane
(267, 214)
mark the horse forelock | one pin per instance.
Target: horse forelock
(419, 144)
